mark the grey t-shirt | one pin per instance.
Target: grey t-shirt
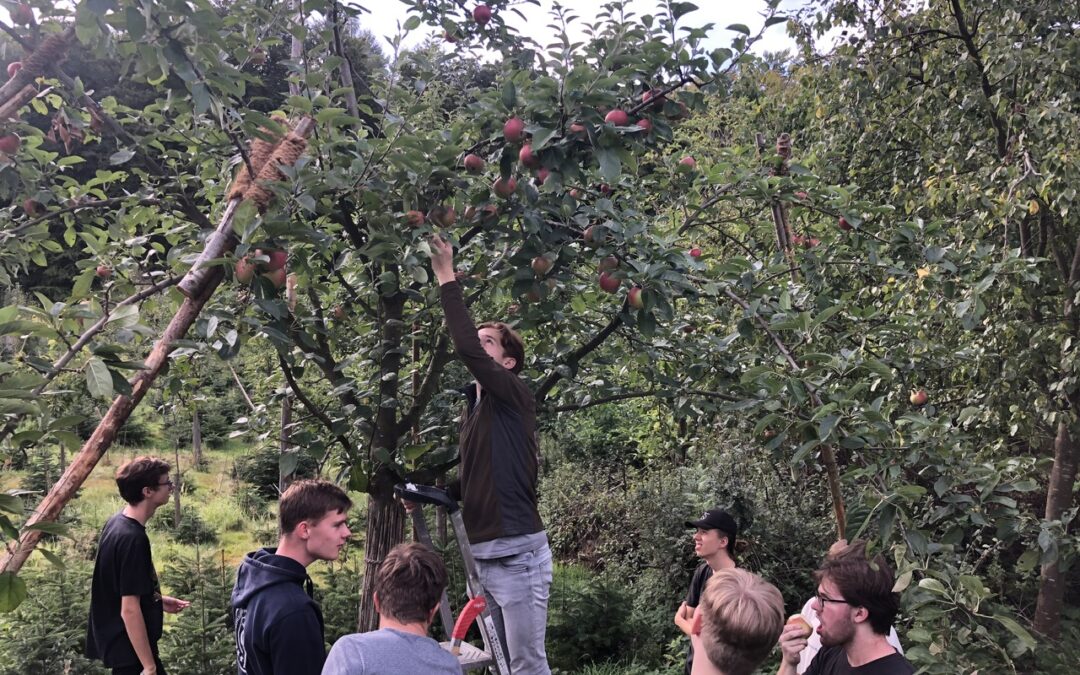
(389, 652)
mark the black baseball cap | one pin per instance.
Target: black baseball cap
(716, 519)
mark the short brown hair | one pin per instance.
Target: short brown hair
(864, 582)
(139, 473)
(512, 344)
(310, 500)
(410, 582)
(742, 616)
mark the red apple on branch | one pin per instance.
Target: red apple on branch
(695, 253)
(103, 271)
(527, 158)
(277, 277)
(654, 96)
(9, 144)
(441, 215)
(414, 218)
(23, 14)
(504, 187)
(635, 299)
(646, 124)
(617, 117)
(541, 265)
(257, 56)
(481, 14)
(687, 163)
(609, 283)
(844, 225)
(474, 163)
(609, 264)
(918, 397)
(30, 207)
(514, 130)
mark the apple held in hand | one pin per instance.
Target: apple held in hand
(798, 620)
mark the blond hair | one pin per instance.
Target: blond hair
(741, 619)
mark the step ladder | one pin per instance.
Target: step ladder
(470, 657)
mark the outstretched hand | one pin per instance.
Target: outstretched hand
(174, 605)
(442, 259)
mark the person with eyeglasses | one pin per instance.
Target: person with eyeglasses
(810, 615)
(126, 604)
(856, 607)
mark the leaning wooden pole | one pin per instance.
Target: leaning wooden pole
(207, 278)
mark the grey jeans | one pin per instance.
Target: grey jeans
(517, 589)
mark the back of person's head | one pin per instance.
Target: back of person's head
(310, 500)
(409, 583)
(139, 473)
(863, 582)
(512, 344)
(742, 616)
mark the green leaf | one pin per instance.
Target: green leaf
(509, 95)
(11, 504)
(59, 529)
(412, 23)
(1016, 629)
(826, 426)
(610, 165)
(739, 28)
(98, 379)
(932, 585)
(12, 591)
(681, 9)
(773, 20)
(121, 157)
(56, 560)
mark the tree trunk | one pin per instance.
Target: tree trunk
(1059, 497)
(385, 530)
(176, 488)
(196, 437)
(284, 477)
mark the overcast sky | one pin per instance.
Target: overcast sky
(384, 16)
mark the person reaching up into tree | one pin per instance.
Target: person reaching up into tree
(498, 474)
(856, 606)
(714, 543)
(736, 624)
(126, 604)
(278, 624)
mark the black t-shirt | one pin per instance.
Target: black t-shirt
(697, 585)
(123, 567)
(833, 661)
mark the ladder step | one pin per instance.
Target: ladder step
(471, 658)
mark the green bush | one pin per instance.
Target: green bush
(199, 642)
(47, 633)
(261, 470)
(590, 620)
(191, 530)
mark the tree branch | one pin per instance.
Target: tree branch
(553, 377)
(286, 369)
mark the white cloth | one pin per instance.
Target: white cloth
(813, 644)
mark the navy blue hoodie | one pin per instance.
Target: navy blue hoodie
(279, 627)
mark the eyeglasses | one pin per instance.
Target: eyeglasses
(168, 482)
(824, 598)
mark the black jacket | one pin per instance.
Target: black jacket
(278, 626)
(499, 452)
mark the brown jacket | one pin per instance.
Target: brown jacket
(499, 453)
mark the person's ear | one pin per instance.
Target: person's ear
(860, 614)
(432, 613)
(303, 530)
(375, 597)
(695, 628)
(509, 362)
